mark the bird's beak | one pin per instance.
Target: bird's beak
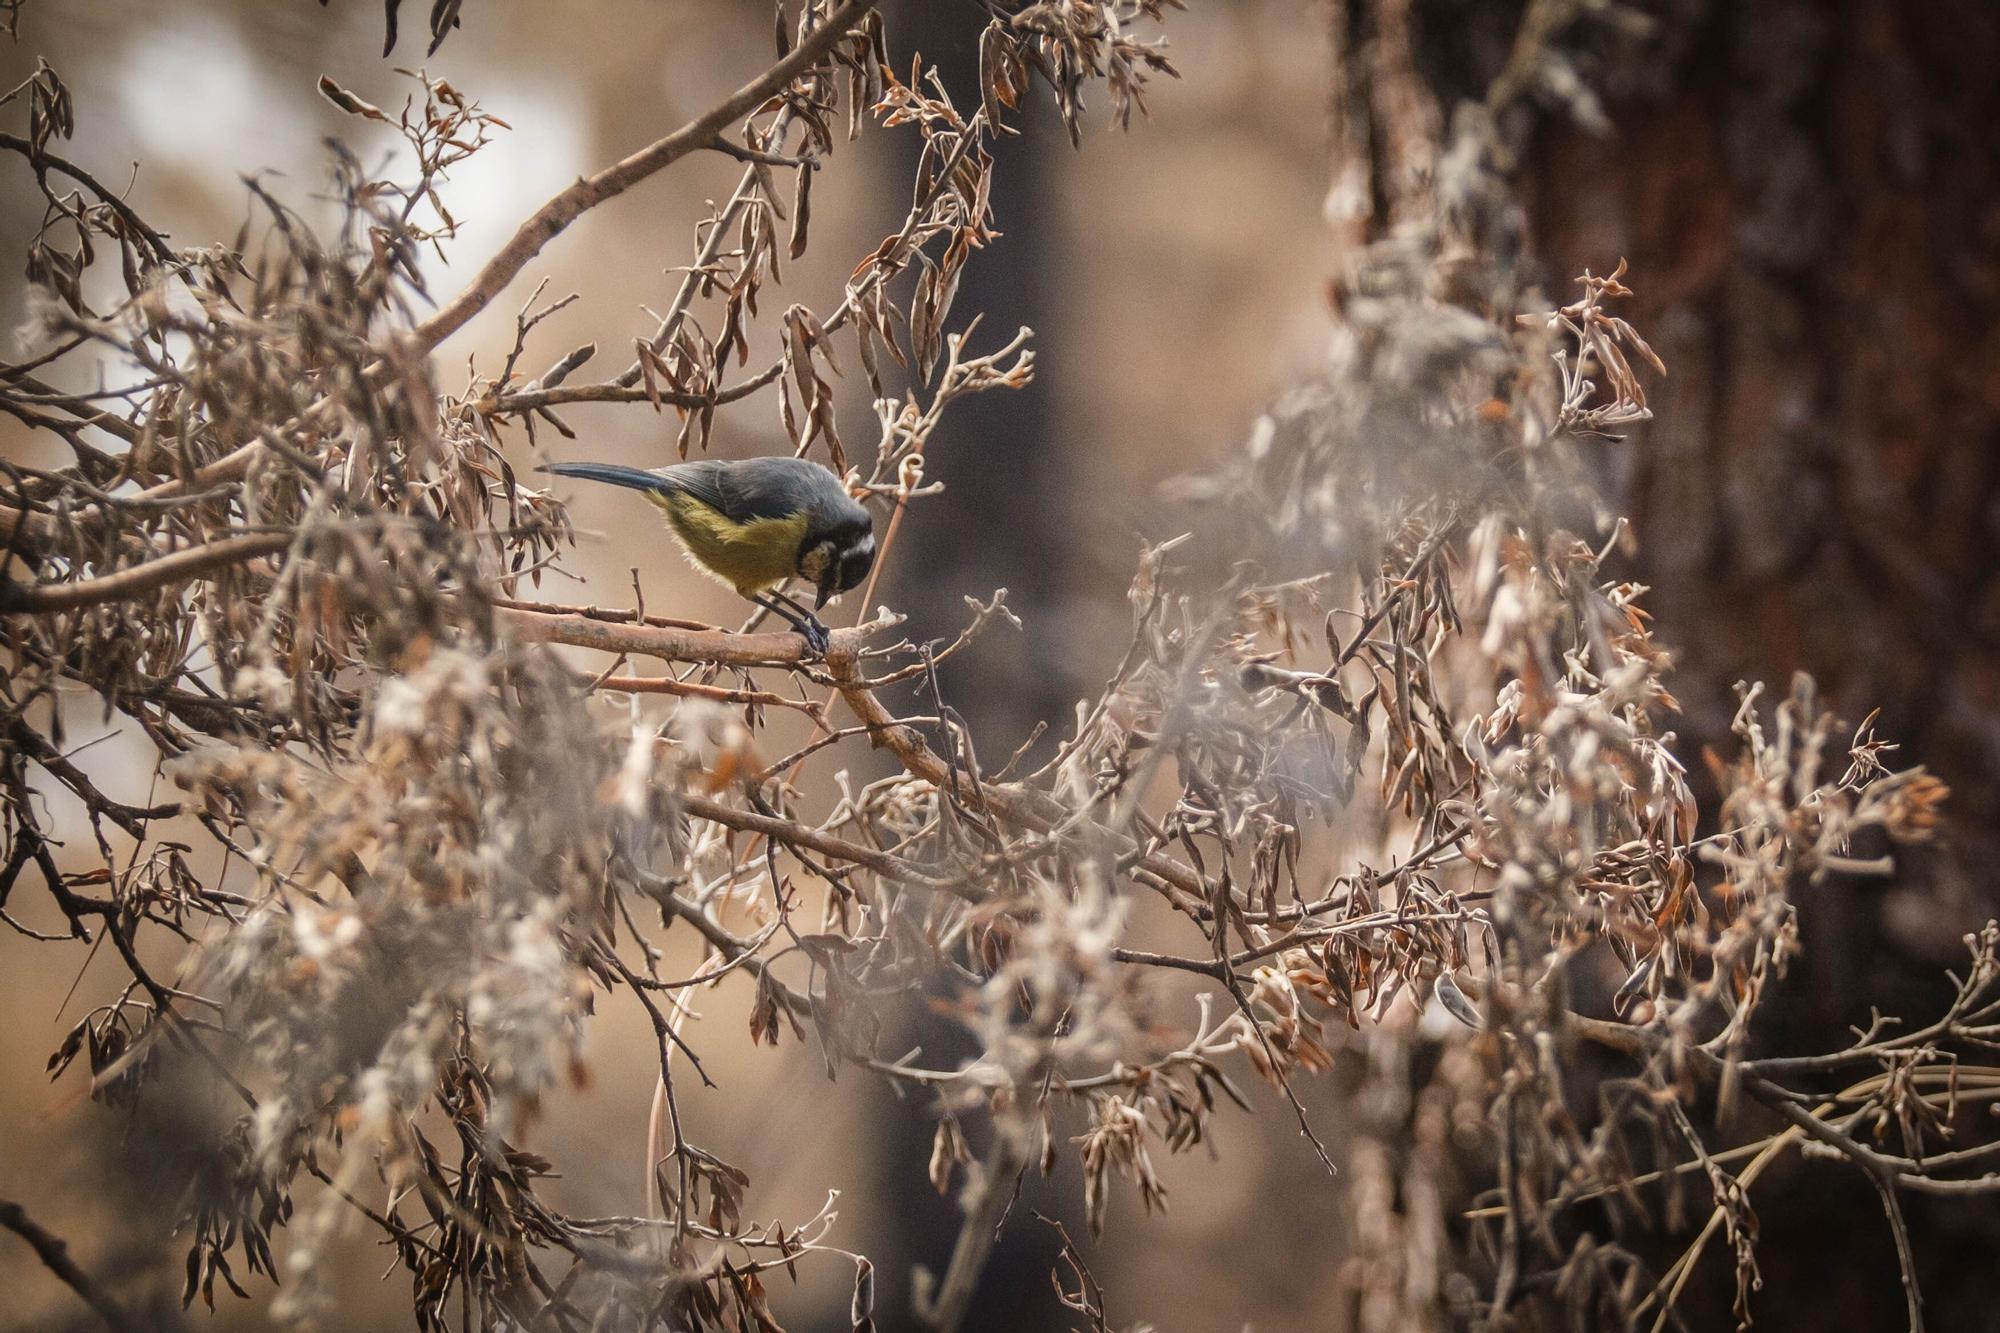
(825, 592)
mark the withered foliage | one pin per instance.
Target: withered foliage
(443, 17)
(1386, 779)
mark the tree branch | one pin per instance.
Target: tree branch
(561, 395)
(552, 218)
(675, 644)
(689, 689)
(54, 1253)
(44, 598)
(1005, 1160)
(868, 858)
(1018, 805)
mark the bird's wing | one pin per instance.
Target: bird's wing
(747, 489)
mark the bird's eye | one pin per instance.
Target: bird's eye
(854, 567)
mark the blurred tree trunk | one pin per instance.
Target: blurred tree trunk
(997, 524)
(1809, 196)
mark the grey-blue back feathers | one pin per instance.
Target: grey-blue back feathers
(743, 490)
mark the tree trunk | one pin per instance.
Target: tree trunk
(1809, 197)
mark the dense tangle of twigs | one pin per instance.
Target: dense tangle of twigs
(1388, 770)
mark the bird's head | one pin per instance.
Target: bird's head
(839, 561)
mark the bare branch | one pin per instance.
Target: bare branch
(54, 1254)
(552, 218)
(180, 567)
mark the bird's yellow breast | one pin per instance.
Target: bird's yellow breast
(749, 557)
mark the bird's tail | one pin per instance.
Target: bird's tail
(637, 479)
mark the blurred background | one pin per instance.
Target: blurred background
(1806, 193)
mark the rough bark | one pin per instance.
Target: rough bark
(1808, 191)
(1806, 194)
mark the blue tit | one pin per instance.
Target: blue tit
(756, 522)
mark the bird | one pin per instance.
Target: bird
(753, 523)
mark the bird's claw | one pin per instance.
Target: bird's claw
(815, 635)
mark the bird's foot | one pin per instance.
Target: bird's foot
(815, 634)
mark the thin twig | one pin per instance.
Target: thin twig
(54, 1254)
(558, 213)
